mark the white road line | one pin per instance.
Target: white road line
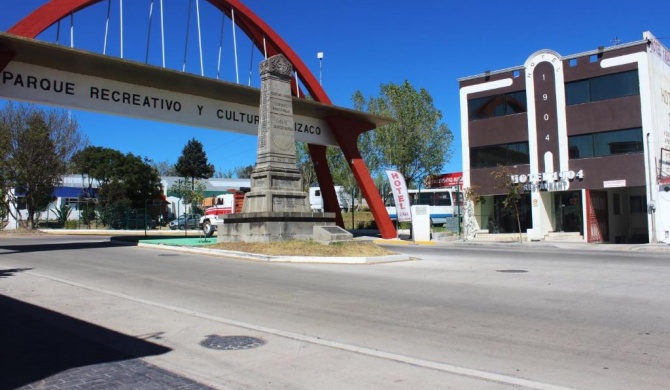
(468, 372)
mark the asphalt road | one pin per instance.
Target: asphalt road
(486, 317)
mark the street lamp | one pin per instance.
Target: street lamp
(319, 55)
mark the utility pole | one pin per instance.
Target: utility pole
(319, 55)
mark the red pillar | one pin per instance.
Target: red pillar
(325, 179)
(346, 133)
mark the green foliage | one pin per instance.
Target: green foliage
(62, 214)
(241, 172)
(126, 181)
(98, 163)
(164, 168)
(417, 144)
(244, 172)
(471, 195)
(87, 212)
(305, 165)
(140, 179)
(502, 178)
(193, 164)
(112, 203)
(192, 194)
(342, 174)
(36, 148)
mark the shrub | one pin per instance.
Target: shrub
(62, 214)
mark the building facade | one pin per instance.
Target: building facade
(586, 136)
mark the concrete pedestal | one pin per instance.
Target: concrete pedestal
(272, 226)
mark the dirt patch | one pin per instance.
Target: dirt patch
(307, 248)
(21, 232)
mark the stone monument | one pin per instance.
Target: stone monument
(276, 208)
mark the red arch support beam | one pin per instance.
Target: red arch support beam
(346, 132)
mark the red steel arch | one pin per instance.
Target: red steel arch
(346, 132)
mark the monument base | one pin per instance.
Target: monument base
(271, 226)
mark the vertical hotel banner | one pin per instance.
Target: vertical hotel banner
(400, 195)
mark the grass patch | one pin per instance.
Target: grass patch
(306, 248)
(360, 220)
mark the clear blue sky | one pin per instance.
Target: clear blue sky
(430, 43)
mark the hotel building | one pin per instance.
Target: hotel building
(586, 136)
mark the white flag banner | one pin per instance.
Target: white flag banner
(400, 196)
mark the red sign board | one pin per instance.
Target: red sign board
(444, 180)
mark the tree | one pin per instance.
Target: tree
(141, 180)
(138, 177)
(190, 193)
(113, 203)
(502, 178)
(339, 168)
(126, 181)
(97, 163)
(37, 148)
(305, 165)
(164, 168)
(417, 144)
(193, 164)
(223, 173)
(244, 172)
(342, 174)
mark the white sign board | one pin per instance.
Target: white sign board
(400, 195)
(33, 83)
(614, 183)
(421, 223)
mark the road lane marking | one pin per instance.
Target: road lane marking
(448, 368)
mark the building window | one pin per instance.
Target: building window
(638, 204)
(497, 105)
(606, 144)
(595, 89)
(494, 155)
(431, 198)
(72, 203)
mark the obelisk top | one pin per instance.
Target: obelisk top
(277, 66)
(276, 138)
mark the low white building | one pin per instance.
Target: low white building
(77, 190)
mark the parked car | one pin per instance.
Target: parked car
(188, 221)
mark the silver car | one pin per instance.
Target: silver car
(186, 221)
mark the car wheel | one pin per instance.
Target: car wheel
(181, 227)
(208, 229)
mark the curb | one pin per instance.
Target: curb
(105, 232)
(567, 245)
(395, 241)
(279, 259)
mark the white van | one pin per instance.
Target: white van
(316, 200)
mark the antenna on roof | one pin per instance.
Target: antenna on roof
(616, 41)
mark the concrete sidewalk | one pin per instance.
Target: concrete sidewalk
(571, 245)
(64, 334)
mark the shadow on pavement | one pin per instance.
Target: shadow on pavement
(36, 343)
(37, 247)
(5, 273)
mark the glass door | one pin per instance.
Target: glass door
(568, 211)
